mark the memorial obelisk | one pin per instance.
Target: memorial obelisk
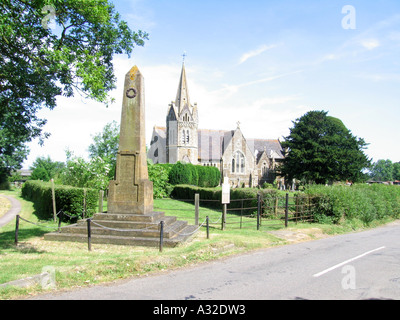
(130, 219)
(132, 192)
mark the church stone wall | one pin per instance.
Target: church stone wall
(183, 141)
(238, 154)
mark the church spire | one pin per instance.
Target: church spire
(182, 96)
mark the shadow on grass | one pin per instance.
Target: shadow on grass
(7, 238)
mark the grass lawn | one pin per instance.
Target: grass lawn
(5, 205)
(75, 266)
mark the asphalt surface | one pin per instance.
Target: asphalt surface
(10, 215)
(356, 266)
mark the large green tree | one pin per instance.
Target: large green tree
(385, 170)
(37, 63)
(81, 173)
(321, 150)
(396, 171)
(45, 169)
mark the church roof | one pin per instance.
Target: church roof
(212, 145)
(182, 96)
(272, 147)
(161, 131)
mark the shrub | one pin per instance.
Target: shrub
(5, 185)
(190, 174)
(158, 173)
(68, 199)
(239, 197)
(208, 176)
(180, 174)
(40, 173)
(194, 175)
(360, 201)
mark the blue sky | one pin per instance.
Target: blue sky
(263, 63)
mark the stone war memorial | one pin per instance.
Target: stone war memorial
(130, 219)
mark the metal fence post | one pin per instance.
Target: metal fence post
(16, 229)
(196, 208)
(208, 227)
(161, 235)
(223, 222)
(287, 210)
(89, 233)
(258, 210)
(53, 196)
(60, 217)
(241, 213)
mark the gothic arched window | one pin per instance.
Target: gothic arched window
(238, 163)
(185, 136)
(264, 169)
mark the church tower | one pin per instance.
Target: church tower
(182, 126)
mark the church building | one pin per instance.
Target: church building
(247, 162)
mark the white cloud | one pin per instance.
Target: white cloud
(370, 44)
(228, 89)
(377, 77)
(271, 117)
(255, 52)
(330, 57)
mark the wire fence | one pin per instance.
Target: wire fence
(258, 213)
(89, 222)
(251, 213)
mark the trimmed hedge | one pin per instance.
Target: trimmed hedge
(208, 176)
(248, 195)
(190, 174)
(69, 199)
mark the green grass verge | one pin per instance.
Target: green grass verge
(76, 267)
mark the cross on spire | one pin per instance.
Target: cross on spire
(184, 56)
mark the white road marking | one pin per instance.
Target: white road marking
(345, 262)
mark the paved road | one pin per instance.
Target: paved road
(10, 215)
(363, 265)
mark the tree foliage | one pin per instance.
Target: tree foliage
(85, 174)
(37, 64)
(321, 150)
(45, 169)
(105, 145)
(396, 171)
(158, 174)
(385, 170)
